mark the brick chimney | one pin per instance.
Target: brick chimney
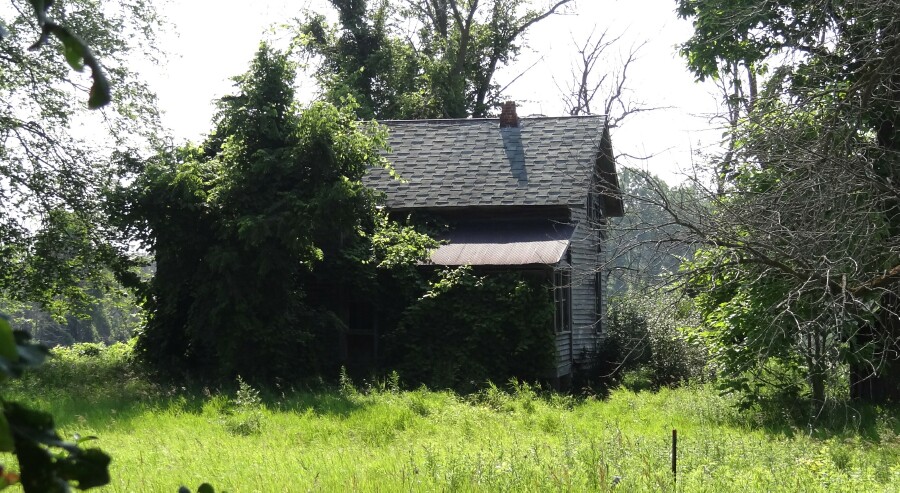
(508, 117)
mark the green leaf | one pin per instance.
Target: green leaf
(88, 468)
(36, 465)
(43, 470)
(100, 93)
(6, 439)
(74, 48)
(78, 55)
(31, 354)
(74, 51)
(7, 341)
(36, 426)
(80, 439)
(24, 354)
(206, 488)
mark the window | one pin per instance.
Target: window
(595, 217)
(562, 300)
(598, 307)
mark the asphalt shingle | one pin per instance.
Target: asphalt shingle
(458, 163)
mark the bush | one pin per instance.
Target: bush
(469, 329)
(646, 342)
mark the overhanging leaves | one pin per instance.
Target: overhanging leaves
(76, 52)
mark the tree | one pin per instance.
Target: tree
(799, 273)
(77, 53)
(37, 165)
(54, 231)
(260, 235)
(581, 91)
(646, 247)
(648, 332)
(444, 68)
(112, 316)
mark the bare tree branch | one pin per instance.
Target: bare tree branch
(586, 84)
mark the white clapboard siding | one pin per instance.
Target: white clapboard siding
(584, 307)
(563, 354)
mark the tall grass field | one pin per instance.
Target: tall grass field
(374, 437)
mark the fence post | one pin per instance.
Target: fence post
(674, 455)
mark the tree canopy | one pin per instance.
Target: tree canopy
(54, 229)
(418, 58)
(800, 269)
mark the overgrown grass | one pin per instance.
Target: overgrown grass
(375, 437)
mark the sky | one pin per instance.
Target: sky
(207, 46)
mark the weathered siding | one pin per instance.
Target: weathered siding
(563, 354)
(602, 234)
(584, 295)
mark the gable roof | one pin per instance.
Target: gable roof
(463, 163)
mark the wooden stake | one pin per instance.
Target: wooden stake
(675, 455)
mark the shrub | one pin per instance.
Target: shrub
(93, 369)
(647, 342)
(469, 329)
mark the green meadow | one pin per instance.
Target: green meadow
(372, 436)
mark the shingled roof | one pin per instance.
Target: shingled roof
(463, 163)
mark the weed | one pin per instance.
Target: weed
(243, 415)
(345, 384)
(841, 457)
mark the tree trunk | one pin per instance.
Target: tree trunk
(875, 378)
(817, 383)
(817, 372)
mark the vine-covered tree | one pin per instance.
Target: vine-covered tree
(261, 234)
(442, 67)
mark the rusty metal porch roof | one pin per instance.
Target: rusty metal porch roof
(509, 243)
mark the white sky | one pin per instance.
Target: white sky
(213, 41)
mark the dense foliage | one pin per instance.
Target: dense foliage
(243, 227)
(799, 277)
(442, 67)
(55, 238)
(470, 328)
(653, 336)
(264, 236)
(46, 462)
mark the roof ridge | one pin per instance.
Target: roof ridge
(480, 120)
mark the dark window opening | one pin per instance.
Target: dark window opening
(562, 300)
(595, 217)
(598, 307)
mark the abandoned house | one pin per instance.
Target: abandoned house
(522, 193)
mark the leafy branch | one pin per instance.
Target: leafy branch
(76, 51)
(47, 462)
